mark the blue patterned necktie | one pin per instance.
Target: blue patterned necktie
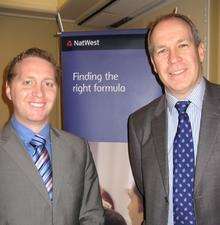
(42, 161)
(183, 169)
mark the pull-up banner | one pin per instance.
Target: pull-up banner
(106, 76)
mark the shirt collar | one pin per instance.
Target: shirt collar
(195, 97)
(27, 134)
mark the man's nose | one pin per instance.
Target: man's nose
(174, 56)
(38, 90)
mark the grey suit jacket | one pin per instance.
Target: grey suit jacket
(23, 197)
(149, 160)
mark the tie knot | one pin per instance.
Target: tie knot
(182, 106)
(37, 141)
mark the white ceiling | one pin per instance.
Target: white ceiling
(105, 13)
(93, 13)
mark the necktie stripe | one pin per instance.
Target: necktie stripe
(35, 157)
(42, 162)
(49, 184)
(44, 168)
(39, 139)
(46, 176)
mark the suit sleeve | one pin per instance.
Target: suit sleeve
(134, 149)
(91, 212)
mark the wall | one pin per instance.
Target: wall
(205, 14)
(49, 6)
(197, 11)
(20, 33)
(214, 50)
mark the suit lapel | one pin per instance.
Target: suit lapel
(159, 136)
(17, 152)
(208, 132)
(57, 162)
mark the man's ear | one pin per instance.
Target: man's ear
(8, 90)
(153, 64)
(201, 51)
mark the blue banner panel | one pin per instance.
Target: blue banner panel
(106, 76)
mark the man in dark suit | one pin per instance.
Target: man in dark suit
(173, 141)
(47, 176)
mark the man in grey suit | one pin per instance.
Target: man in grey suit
(174, 154)
(47, 176)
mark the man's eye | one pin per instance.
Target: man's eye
(183, 45)
(49, 84)
(28, 82)
(161, 51)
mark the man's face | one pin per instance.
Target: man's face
(175, 57)
(33, 92)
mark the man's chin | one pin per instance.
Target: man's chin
(37, 121)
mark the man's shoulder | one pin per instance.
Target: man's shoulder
(66, 136)
(5, 132)
(70, 144)
(213, 89)
(147, 111)
(1, 135)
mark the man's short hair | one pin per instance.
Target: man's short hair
(31, 52)
(184, 18)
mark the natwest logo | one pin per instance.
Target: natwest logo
(86, 43)
(69, 44)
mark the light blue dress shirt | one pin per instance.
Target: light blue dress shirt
(194, 111)
(25, 135)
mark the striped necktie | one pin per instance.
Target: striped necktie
(42, 162)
